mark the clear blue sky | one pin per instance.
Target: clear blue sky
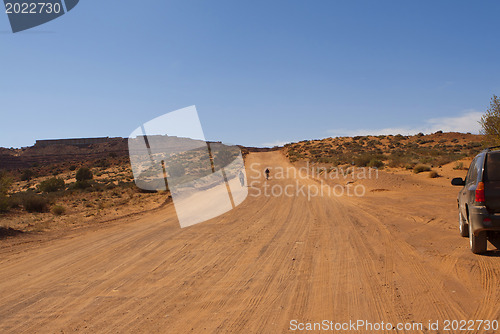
(259, 72)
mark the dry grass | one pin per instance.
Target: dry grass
(433, 174)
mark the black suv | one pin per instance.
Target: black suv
(479, 200)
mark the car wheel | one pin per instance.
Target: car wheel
(478, 242)
(462, 225)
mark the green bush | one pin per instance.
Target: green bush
(490, 122)
(421, 168)
(84, 174)
(52, 185)
(58, 210)
(35, 203)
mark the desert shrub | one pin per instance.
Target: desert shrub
(80, 185)
(399, 137)
(396, 162)
(177, 170)
(58, 210)
(446, 158)
(362, 161)
(5, 204)
(433, 174)
(99, 187)
(27, 175)
(421, 168)
(72, 168)
(84, 174)
(15, 201)
(35, 203)
(51, 185)
(373, 143)
(375, 163)
(103, 163)
(459, 166)
(5, 184)
(328, 160)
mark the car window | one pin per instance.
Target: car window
(472, 168)
(492, 170)
(475, 171)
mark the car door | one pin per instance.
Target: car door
(471, 181)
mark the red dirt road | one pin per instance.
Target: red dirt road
(393, 256)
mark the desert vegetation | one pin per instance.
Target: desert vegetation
(57, 195)
(396, 151)
(490, 122)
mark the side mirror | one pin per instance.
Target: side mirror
(458, 181)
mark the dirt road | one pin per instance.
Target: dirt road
(389, 256)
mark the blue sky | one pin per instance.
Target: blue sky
(259, 72)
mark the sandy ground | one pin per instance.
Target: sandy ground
(394, 255)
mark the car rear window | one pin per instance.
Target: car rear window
(493, 167)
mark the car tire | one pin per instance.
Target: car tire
(478, 242)
(462, 225)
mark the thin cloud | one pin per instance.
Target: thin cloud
(468, 121)
(276, 143)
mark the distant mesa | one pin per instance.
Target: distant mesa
(49, 151)
(78, 150)
(80, 142)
